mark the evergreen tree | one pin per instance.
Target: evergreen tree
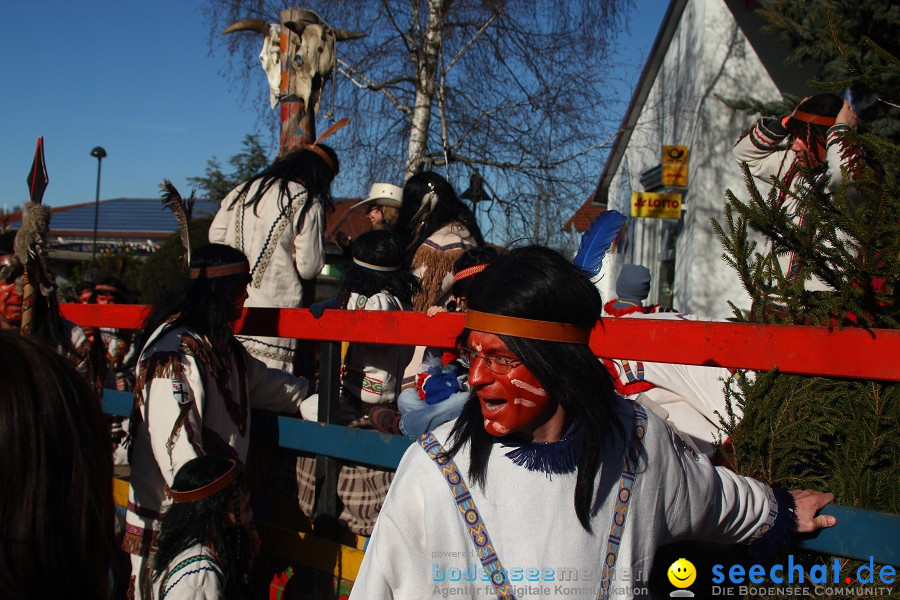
(831, 434)
(216, 184)
(828, 33)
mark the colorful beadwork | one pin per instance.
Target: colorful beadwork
(620, 512)
(468, 512)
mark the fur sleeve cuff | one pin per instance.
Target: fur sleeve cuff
(782, 530)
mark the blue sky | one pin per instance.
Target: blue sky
(136, 77)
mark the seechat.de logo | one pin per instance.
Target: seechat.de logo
(682, 574)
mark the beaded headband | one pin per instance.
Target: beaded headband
(314, 147)
(468, 272)
(372, 267)
(210, 488)
(549, 331)
(220, 270)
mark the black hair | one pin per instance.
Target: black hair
(825, 105)
(205, 306)
(203, 522)
(534, 282)
(473, 256)
(56, 502)
(85, 285)
(303, 167)
(382, 248)
(118, 289)
(414, 227)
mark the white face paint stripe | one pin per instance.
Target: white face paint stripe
(537, 391)
(477, 347)
(499, 428)
(524, 402)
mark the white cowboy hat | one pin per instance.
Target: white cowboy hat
(383, 194)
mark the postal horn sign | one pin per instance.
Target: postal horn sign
(655, 206)
(675, 166)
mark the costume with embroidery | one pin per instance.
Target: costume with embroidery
(763, 149)
(188, 402)
(283, 241)
(433, 263)
(420, 538)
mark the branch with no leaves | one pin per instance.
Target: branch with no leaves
(457, 158)
(365, 83)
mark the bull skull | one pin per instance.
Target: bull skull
(295, 51)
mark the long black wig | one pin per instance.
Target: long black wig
(204, 522)
(380, 248)
(416, 222)
(205, 306)
(303, 167)
(534, 282)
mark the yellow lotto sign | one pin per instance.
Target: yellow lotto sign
(655, 206)
(675, 166)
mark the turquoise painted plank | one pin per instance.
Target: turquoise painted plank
(358, 445)
(117, 403)
(859, 534)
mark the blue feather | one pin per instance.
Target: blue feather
(597, 240)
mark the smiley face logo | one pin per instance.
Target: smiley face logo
(682, 573)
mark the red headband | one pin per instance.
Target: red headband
(220, 271)
(210, 488)
(550, 331)
(468, 272)
(814, 119)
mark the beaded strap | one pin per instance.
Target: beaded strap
(469, 514)
(626, 483)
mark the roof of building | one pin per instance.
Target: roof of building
(148, 218)
(769, 48)
(584, 216)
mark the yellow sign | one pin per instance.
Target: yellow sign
(675, 166)
(656, 206)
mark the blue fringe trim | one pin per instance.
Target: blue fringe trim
(783, 531)
(549, 457)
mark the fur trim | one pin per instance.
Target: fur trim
(437, 264)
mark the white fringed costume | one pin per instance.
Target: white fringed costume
(763, 149)
(282, 249)
(191, 403)
(419, 545)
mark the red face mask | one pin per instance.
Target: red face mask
(512, 402)
(11, 301)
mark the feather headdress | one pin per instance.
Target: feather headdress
(182, 209)
(597, 240)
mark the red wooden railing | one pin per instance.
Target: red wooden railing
(854, 353)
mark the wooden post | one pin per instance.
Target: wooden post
(298, 119)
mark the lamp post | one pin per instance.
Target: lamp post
(99, 153)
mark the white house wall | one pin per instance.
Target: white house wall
(709, 56)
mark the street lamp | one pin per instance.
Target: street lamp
(99, 153)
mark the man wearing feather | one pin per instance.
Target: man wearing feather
(195, 388)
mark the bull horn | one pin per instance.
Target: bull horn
(257, 25)
(341, 35)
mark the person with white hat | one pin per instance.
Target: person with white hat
(382, 205)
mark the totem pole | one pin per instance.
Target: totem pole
(298, 56)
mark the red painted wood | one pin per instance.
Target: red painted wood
(793, 349)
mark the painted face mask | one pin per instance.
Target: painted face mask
(11, 301)
(511, 397)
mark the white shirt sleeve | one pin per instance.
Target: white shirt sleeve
(309, 244)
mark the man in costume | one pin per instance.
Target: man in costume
(195, 388)
(277, 219)
(547, 470)
(47, 324)
(811, 138)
